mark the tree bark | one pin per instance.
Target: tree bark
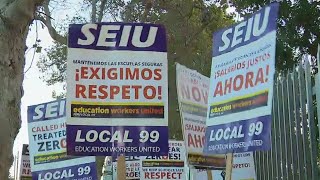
(12, 45)
(15, 18)
(101, 11)
(94, 11)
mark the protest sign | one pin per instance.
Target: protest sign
(171, 166)
(199, 174)
(132, 167)
(117, 90)
(242, 168)
(133, 163)
(24, 166)
(47, 140)
(241, 85)
(192, 90)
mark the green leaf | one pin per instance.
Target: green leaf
(38, 49)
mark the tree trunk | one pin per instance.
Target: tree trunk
(12, 45)
(15, 17)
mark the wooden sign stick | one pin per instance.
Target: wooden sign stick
(229, 166)
(121, 168)
(209, 174)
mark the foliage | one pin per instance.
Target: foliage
(53, 65)
(298, 28)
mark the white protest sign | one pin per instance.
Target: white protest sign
(47, 145)
(165, 167)
(117, 93)
(192, 90)
(24, 165)
(241, 85)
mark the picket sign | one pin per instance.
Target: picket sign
(192, 90)
(117, 93)
(241, 85)
(48, 148)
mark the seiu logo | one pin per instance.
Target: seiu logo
(46, 111)
(253, 27)
(116, 36)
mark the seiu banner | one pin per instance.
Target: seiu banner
(245, 32)
(118, 36)
(117, 93)
(241, 85)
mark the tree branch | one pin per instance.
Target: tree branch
(201, 29)
(47, 21)
(102, 8)
(94, 11)
(17, 11)
(148, 5)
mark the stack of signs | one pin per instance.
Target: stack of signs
(192, 89)
(24, 166)
(241, 85)
(47, 139)
(132, 167)
(165, 167)
(117, 93)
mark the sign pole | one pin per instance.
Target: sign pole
(209, 174)
(121, 168)
(16, 167)
(229, 166)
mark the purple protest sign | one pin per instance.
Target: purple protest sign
(47, 145)
(117, 89)
(76, 172)
(117, 140)
(241, 85)
(118, 36)
(240, 136)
